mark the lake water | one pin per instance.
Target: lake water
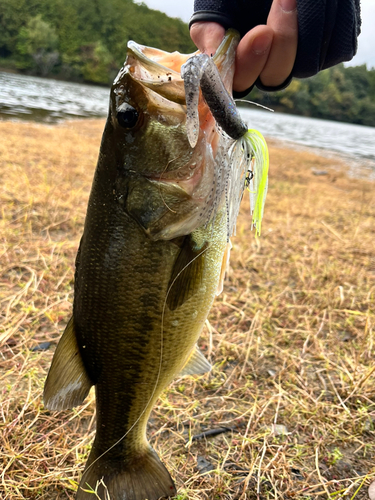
(353, 143)
(47, 100)
(42, 99)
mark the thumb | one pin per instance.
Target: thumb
(207, 36)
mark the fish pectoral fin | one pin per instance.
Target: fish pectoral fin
(224, 267)
(67, 383)
(197, 364)
(187, 272)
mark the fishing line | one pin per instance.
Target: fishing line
(140, 416)
(160, 180)
(255, 141)
(173, 282)
(255, 104)
(159, 370)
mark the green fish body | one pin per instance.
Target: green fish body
(148, 268)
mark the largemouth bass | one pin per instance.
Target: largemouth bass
(150, 262)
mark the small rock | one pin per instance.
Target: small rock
(343, 466)
(297, 474)
(236, 469)
(269, 283)
(43, 346)
(371, 491)
(279, 430)
(204, 465)
(320, 172)
(347, 336)
(369, 425)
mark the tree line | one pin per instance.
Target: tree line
(339, 93)
(85, 40)
(82, 39)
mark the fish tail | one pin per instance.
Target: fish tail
(143, 477)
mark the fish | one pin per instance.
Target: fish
(151, 260)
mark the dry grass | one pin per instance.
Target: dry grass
(292, 338)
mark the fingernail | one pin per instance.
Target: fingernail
(261, 44)
(288, 5)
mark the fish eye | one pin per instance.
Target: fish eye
(127, 116)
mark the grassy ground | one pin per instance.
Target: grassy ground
(292, 337)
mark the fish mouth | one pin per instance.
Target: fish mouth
(157, 70)
(159, 74)
(160, 71)
(171, 188)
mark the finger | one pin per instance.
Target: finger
(207, 36)
(282, 20)
(252, 55)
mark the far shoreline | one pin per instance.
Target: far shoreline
(58, 77)
(277, 108)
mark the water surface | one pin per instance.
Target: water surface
(345, 138)
(47, 100)
(32, 98)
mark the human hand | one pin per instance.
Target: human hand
(267, 51)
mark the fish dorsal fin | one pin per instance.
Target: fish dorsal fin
(197, 364)
(187, 272)
(67, 383)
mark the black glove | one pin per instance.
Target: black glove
(327, 29)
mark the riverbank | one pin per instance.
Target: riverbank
(61, 77)
(291, 338)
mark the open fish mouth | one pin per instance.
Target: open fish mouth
(161, 71)
(180, 181)
(183, 184)
(157, 70)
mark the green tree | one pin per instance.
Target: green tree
(98, 63)
(36, 46)
(87, 31)
(13, 15)
(367, 112)
(371, 91)
(359, 79)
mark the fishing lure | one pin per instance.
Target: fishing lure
(246, 149)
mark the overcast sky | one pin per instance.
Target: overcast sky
(366, 43)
